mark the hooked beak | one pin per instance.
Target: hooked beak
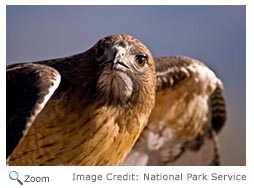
(118, 60)
(123, 64)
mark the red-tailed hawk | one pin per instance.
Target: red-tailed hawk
(90, 109)
(87, 109)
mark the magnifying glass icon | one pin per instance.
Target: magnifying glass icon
(13, 175)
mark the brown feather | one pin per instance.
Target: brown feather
(88, 121)
(189, 107)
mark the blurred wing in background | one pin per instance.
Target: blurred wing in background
(189, 112)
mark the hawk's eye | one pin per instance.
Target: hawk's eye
(99, 52)
(141, 60)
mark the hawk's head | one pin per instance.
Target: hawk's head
(128, 70)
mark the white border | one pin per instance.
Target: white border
(62, 175)
(249, 84)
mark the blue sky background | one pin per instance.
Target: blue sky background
(213, 34)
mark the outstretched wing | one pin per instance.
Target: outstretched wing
(189, 111)
(29, 87)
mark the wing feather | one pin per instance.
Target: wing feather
(190, 109)
(218, 108)
(171, 71)
(29, 87)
